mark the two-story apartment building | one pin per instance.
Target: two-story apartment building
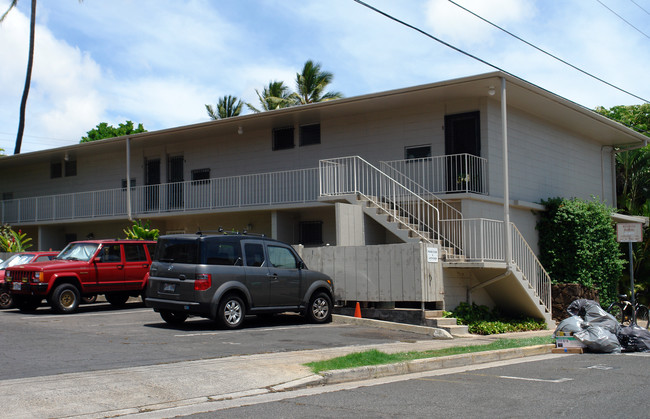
(398, 195)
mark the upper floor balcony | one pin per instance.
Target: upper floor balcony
(437, 175)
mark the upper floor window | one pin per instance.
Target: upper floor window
(283, 138)
(56, 169)
(6, 196)
(63, 168)
(70, 167)
(309, 134)
(132, 183)
(417, 152)
(200, 175)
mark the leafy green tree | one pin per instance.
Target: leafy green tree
(275, 96)
(311, 83)
(577, 244)
(227, 106)
(633, 185)
(103, 130)
(28, 76)
(12, 241)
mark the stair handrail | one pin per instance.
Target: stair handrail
(530, 267)
(452, 235)
(354, 175)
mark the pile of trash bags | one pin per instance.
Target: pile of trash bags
(600, 332)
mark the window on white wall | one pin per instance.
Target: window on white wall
(309, 134)
(283, 138)
(417, 152)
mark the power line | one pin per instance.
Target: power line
(548, 53)
(623, 19)
(639, 6)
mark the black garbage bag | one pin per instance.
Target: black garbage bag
(593, 314)
(634, 338)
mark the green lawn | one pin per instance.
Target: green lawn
(375, 357)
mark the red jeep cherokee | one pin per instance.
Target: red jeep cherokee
(116, 268)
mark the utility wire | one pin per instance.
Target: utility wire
(623, 19)
(639, 6)
(548, 53)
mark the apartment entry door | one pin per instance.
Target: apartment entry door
(152, 184)
(175, 192)
(462, 136)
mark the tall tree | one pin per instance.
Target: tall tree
(311, 84)
(28, 77)
(275, 96)
(103, 130)
(227, 107)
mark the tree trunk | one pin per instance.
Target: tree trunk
(28, 80)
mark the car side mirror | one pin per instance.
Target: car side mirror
(98, 259)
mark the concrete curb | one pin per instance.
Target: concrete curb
(418, 365)
(434, 332)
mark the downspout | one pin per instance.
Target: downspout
(128, 179)
(506, 186)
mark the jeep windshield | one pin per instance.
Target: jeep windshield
(78, 251)
(177, 250)
(14, 260)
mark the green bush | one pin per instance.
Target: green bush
(577, 244)
(483, 321)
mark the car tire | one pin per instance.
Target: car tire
(65, 299)
(173, 317)
(117, 299)
(320, 308)
(5, 299)
(231, 311)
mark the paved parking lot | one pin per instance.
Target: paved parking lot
(101, 337)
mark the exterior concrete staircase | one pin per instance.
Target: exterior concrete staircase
(434, 318)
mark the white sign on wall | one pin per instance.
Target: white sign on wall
(432, 254)
(629, 232)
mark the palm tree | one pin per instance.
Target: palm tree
(311, 84)
(28, 77)
(227, 107)
(275, 96)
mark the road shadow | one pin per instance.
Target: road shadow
(197, 324)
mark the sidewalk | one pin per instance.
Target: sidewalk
(127, 391)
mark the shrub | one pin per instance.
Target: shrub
(577, 244)
(11, 241)
(483, 321)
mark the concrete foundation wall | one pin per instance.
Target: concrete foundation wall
(379, 273)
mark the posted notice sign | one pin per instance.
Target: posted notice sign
(629, 232)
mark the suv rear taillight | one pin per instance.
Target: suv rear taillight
(202, 282)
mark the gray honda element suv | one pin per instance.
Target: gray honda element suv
(226, 276)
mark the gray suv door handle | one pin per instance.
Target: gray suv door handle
(274, 276)
(182, 277)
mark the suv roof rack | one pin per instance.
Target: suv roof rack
(229, 233)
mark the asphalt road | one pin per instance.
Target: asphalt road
(101, 337)
(587, 385)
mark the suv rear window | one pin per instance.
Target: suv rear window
(177, 250)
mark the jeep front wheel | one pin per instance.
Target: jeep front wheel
(173, 317)
(231, 311)
(5, 299)
(320, 308)
(65, 298)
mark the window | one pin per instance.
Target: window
(417, 152)
(281, 257)
(43, 258)
(56, 170)
(70, 167)
(134, 253)
(311, 232)
(132, 183)
(6, 196)
(200, 176)
(254, 254)
(219, 252)
(111, 253)
(283, 138)
(309, 134)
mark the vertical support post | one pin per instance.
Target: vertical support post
(128, 179)
(632, 298)
(506, 186)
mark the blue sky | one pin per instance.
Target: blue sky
(158, 62)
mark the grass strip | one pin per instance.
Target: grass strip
(375, 357)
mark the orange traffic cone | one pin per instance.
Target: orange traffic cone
(357, 311)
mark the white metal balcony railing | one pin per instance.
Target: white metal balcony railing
(293, 186)
(454, 173)
(482, 241)
(355, 176)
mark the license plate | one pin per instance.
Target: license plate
(169, 287)
(16, 286)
